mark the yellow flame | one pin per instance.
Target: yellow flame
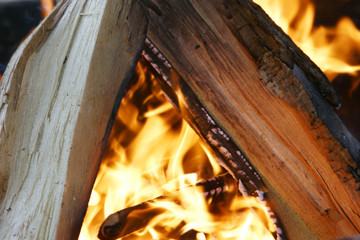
(334, 49)
(152, 152)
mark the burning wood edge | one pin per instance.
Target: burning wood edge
(228, 154)
(130, 220)
(259, 87)
(135, 218)
(224, 148)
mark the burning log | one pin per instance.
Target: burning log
(135, 218)
(268, 98)
(57, 98)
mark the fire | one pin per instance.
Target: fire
(334, 49)
(152, 152)
(46, 7)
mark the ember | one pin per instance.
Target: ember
(152, 152)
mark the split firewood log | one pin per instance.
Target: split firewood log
(268, 98)
(58, 98)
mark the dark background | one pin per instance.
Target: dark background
(16, 21)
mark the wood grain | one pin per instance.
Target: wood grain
(259, 101)
(58, 96)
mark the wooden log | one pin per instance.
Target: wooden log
(268, 97)
(57, 98)
(135, 218)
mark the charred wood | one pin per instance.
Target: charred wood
(269, 99)
(220, 189)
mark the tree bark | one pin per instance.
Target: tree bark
(268, 98)
(58, 97)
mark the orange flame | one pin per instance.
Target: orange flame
(152, 152)
(46, 7)
(334, 49)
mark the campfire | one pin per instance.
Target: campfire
(153, 152)
(219, 127)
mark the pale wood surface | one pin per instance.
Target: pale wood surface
(56, 99)
(257, 98)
